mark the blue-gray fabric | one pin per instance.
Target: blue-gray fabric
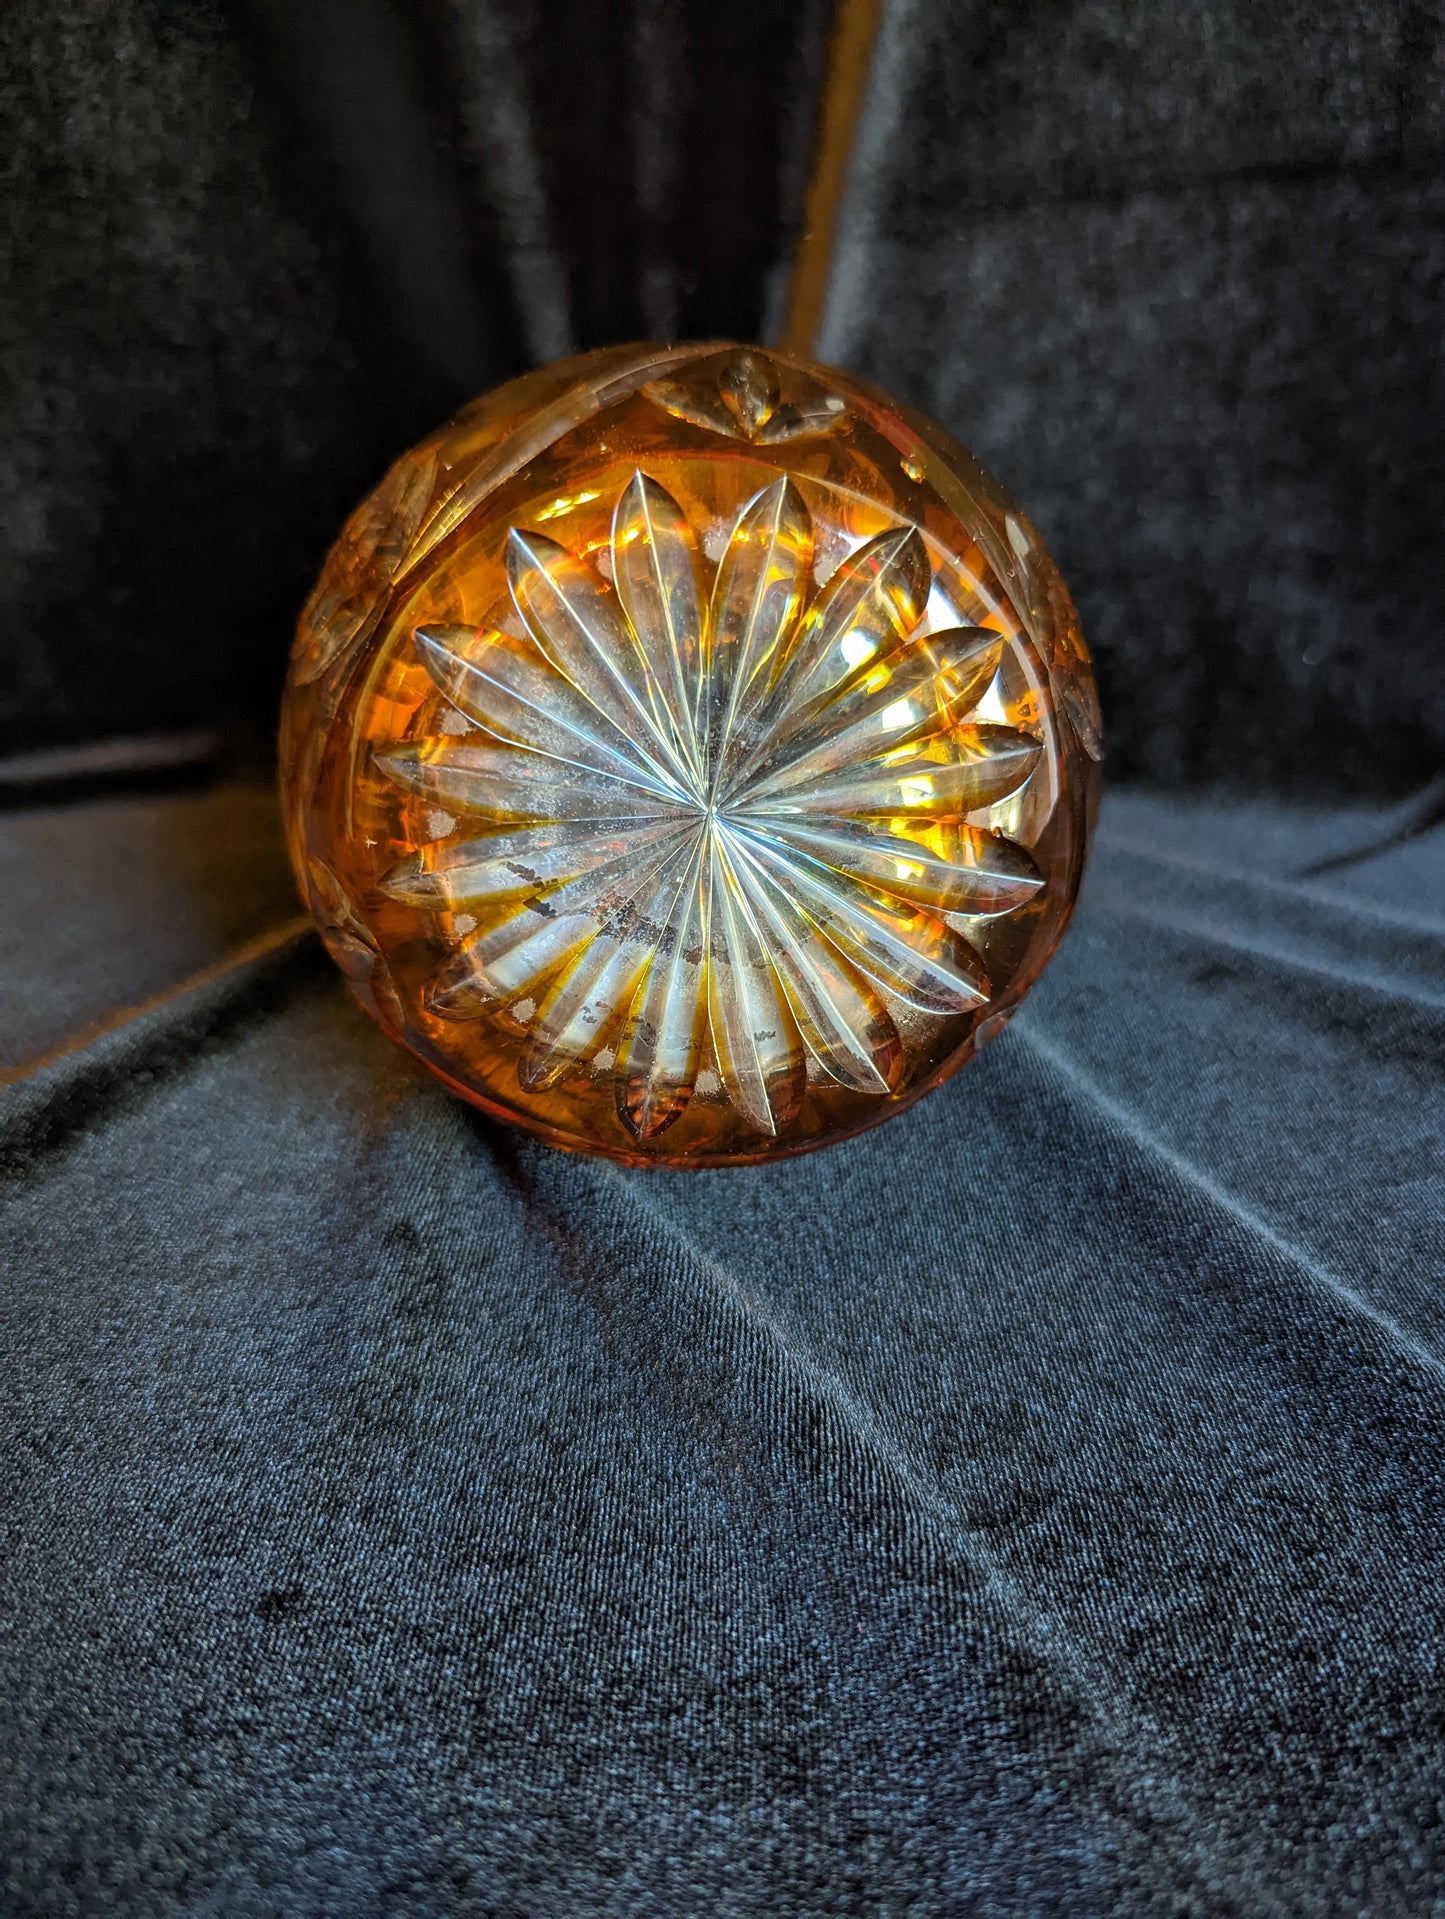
(1033, 1507)
(1174, 272)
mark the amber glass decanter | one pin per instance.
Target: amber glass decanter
(690, 754)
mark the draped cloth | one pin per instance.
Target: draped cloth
(1034, 1506)
(1174, 274)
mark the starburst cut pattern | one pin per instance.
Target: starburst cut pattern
(710, 839)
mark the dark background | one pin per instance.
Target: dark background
(1176, 272)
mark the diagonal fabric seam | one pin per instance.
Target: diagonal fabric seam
(1393, 1334)
(1423, 815)
(1282, 960)
(929, 1508)
(97, 1030)
(1346, 905)
(56, 1096)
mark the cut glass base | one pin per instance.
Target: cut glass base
(689, 755)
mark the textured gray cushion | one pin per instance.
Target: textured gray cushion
(1034, 1507)
(1175, 271)
(1032, 1510)
(110, 904)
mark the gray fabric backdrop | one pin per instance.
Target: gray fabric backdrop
(1174, 271)
(1033, 1508)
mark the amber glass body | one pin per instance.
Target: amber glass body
(707, 429)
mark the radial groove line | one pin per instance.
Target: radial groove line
(1229, 1203)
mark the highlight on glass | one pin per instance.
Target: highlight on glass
(689, 754)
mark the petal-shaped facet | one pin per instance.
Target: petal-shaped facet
(1003, 873)
(975, 766)
(654, 570)
(516, 697)
(694, 404)
(584, 1010)
(658, 1060)
(405, 500)
(471, 872)
(846, 1026)
(749, 391)
(756, 605)
(481, 781)
(874, 599)
(797, 421)
(913, 954)
(573, 615)
(743, 403)
(539, 937)
(928, 686)
(985, 874)
(759, 1049)
(370, 552)
(333, 625)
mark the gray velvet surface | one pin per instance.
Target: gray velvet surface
(1032, 1510)
(1034, 1507)
(250, 252)
(1174, 271)
(171, 885)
